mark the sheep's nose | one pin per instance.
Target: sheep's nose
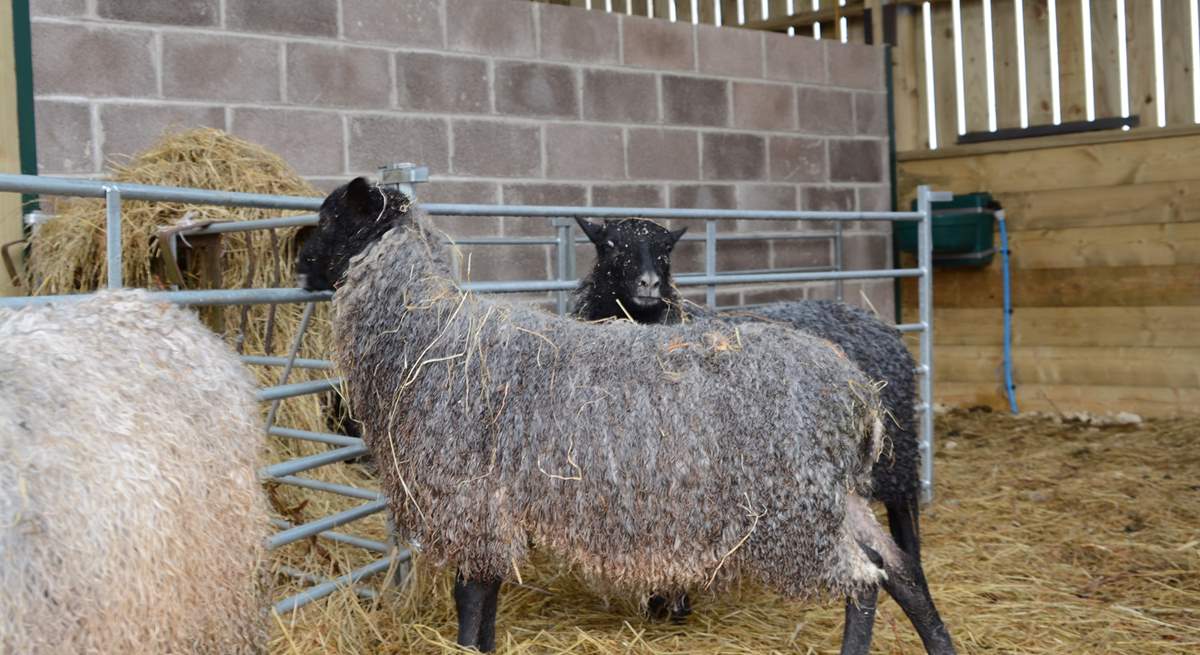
(648, 282)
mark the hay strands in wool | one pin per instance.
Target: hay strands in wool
(570, 460)
(754, 517)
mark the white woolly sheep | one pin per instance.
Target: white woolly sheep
(131, 519)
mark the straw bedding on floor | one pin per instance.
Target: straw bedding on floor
(1047, 536)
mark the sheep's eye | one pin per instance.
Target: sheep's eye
(609, 244)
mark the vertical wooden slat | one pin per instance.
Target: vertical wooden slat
(1105, 65)
(974, 66)
(683, 11)
(1070, 61)
(908, 81)
(875, 8)
(1139, 20)
(856, 31)
(943, 72)
(1037, 62)
(1177, 61)
(1004, 40)
(778, 8)
(729, 12)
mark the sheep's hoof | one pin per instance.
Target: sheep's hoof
(661, 608)
(658, 608)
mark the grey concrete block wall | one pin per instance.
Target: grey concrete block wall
(505, 100)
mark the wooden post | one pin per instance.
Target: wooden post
(10, 141)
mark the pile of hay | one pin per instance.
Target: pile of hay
(68, 257)
(1048, 536)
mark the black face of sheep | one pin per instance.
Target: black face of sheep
(632, 274)
(352, 217)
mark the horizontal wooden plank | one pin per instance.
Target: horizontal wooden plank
(1118, 286)
(1142, 134)
(1145, 401)
(1132, 367)
(1161, 160)
(1166, 244)
(1158, 327)
(1127, 204)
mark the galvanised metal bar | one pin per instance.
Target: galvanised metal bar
(329, 487)
(910, 327)
(925, 200)
(208, 297)
(524, 286)
(839, 286)
(361, 592)
(301, 464)
(366, 544)
(225, 227)
(298, 389)
(60, 186)
(300, 362)
(547, 211)
(322, 437)
(546, 241)
(112, 235)
(327, 523)
(277, 296)
(710, 263)
(322, 590)
(305, 318)
(561, 245)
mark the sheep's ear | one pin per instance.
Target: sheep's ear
(358, 194)
(676, 235)
(597, 234)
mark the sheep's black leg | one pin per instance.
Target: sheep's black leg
(681, 608)
(661, 607)
(904, 523)
(860, 621)
(658, 607)
(904, 583)
(487, 621)
(471, 599)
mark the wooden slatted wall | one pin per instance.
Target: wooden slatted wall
(1105, 242)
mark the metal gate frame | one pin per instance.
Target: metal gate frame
(347, 447)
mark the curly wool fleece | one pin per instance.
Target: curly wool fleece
(131, 519)
(878, 349)
(723, 451)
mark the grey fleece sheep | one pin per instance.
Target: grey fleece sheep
(131, 518)
(739, 450)
(493, 422)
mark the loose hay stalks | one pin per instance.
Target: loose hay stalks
(1047, 537)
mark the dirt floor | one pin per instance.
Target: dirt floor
(1047, 536)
